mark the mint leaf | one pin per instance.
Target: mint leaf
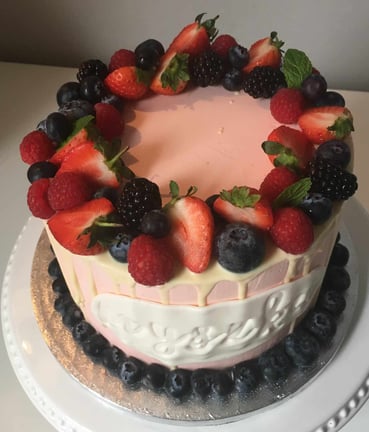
(294, 194)
(296, 67)
(79, 124)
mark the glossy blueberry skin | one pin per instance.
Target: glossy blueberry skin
(178, 383)
(58, 127)
(148, 54)
(340, 255)
(72, 315)
(332, 301)
(320, 324)
(131, 372)
(246, 377)
(42, 169)
(82, 331)
(112, 359)
(233, 80)
(314, 86)
(336, 278)
(317, 207)
(202, 382)
(59, 285)
(94, 347)
(77, 108)
(275, 365)
(120, 246)
(238, 56)
(155, 376)
(223, 383)
(302, 347)
(330, 98)
(240, 247)
(92, 89)
(54, 269)
(67, 92)
(155, 223)
(336, 152)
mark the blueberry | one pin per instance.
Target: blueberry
(42, 126)
(233, 80)
(317, 207)
(82, 331)
(131, 371)
(63, 302)
(58, 127)
(155, 223)
(238, 56)
(148, 54)
(223, 383)
(332, 301)
(178, 383)
(118, 249)
(92, 89)
(67, 92)
(320, 324)
(54, 269)
(94, 347)
(275, 365)
(112, 359)
(336, 152)
(155, 376)
(314, 86)
(76, 109)
(246, 377)
(302, 347)
(202, 382)
(112, 99)
(42, 169)
(330, 98)
(340, 255)
(336, 278)
(240, 247)
(59, 285)
(72, 315)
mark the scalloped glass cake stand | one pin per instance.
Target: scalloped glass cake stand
(325, 404)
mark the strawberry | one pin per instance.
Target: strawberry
(265, 52)
(81, 229)
(276, 181)
(36, 147)
(37, 200)
(109, 121)
(120, 58)
(287, 104)
(78, 137)
(195, 37)
(326, 123)
(192, 229)
(172, 75)
(99, 163)
(150, 261)
(289, 147)
(243, 204)
(221, 45)
(292, 230)
(128, 82)
(68, 189)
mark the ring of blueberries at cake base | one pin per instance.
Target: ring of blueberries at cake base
(296, 353)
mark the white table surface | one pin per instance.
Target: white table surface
(27, 95)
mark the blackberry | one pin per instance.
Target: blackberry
(92, 67)
(263, 82)
(138, 197)
(331, 181)
(207, 69)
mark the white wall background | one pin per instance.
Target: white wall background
(334, 33)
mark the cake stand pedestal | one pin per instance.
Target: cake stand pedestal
(326, 404)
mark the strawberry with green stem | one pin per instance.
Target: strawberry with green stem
(86, 229)
(192, 229)
(244, 204)
(265, 52)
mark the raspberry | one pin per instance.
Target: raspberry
(222, 44)
(292, 230)
(150, 261)
(36, 147)
(122, 57)
(287, 105)
(68, 190)
(109, 121)
(276, 181)
(37, 199)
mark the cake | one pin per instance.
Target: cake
(241, 158)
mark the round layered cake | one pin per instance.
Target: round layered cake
(201, 238)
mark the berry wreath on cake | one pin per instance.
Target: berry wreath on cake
(192, 199)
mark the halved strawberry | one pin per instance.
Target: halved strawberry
(77, 229)
(172, 75)
(265, 52)
(326, 123)
(192, 232)
(79, 136)
(128, 82)
(243, 204)
(289, 147)
(101, 165)
(195, 37)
